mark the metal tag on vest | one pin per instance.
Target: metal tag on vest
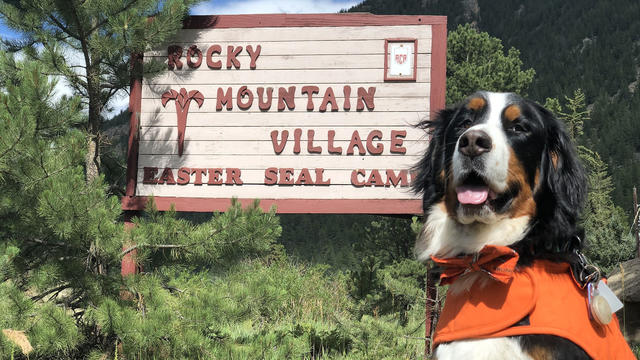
(602, 302)
(608, 294)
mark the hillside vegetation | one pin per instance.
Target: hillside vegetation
(590, 45)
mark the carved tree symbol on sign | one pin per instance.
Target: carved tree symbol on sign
(183, 99)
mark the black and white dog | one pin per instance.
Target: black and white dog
(500, 170)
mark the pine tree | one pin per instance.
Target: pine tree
(476, 61)
(61, 246)
(606, 228)
(105, 33)
(575, 115)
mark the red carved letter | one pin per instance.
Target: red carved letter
(367, 96)
(232, 52)
(277, 148)
(319, 175)
(402, 178)
(310, 148)
(354, 177)
(184, 176)
(304, 178)
(215, 176)
(242, 92)
(254, 55)
(214, 49)
(375, 179)
(356, 141)
(330, 147)
(198, 173)
(270, 176)
(224, 99)
(379, 148)
(310, 90)
(347, 99)
(286, 96)
(264, 106)
(286, 176)
(233, 176)
(149, 175)
(193, 50)
(174, 53)
(329, 97)
(167, 177)
(397, 138)
(297, 134)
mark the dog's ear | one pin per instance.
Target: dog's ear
(429, 173)
(563, 185)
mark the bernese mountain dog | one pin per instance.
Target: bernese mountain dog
(501, 181)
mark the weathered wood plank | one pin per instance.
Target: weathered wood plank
(311, 77)
(408, 89)
(264, 133)
(289, 161)
(279, 62)
(257, 176)
(288, 119)
(279, 192)
(341, 47)
(251, 147)
(209, 106)
(188, 36)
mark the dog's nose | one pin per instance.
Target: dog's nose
(474, 143)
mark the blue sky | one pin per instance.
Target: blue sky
(218, 7)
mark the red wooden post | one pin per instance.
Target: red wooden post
(636, 220)
(431, 310)
(128, 263)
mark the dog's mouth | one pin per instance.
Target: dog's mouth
(475, 191)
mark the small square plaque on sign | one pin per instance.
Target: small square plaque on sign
(400, 59)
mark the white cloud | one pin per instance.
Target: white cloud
(273, 6)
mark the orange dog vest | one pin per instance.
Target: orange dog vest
(545, 293)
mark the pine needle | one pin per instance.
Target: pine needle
(20, 339)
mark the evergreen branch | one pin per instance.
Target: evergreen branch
(50, 291)
(13, 146)
(416, 338)
(42, 242)
(159, 246)
(106, 18)
(64, 28)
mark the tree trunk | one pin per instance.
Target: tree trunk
(92, 159)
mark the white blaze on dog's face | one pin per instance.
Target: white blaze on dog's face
(480, 162)
(491, 152)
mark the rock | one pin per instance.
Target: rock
(626, 277)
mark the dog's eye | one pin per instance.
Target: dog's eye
(465, 124)
(518, 128)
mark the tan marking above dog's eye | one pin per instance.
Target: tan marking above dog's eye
(512, 112)
(477, 103)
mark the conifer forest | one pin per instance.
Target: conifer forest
(245, 283)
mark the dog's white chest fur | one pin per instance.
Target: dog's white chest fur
(482, 349)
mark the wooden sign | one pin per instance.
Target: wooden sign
(311, 113)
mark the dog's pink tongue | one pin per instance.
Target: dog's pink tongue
(473, 195)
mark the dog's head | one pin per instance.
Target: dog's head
(499, 170)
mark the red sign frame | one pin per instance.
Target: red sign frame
(327, 206)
